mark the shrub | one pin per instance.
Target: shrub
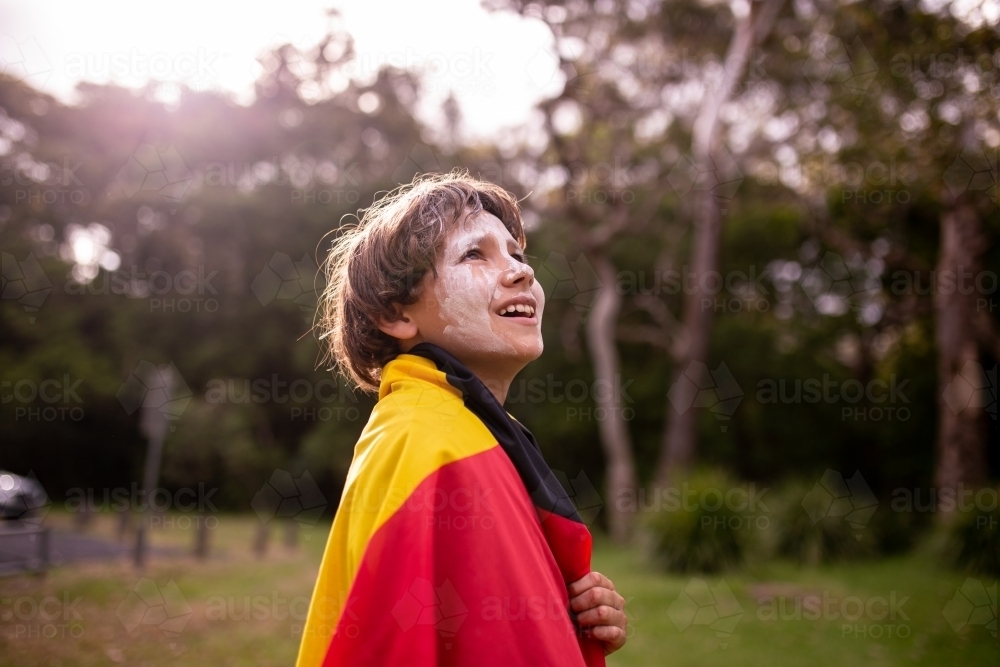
(896, 532)
(693, 528)
(974, 540)
(808, 531)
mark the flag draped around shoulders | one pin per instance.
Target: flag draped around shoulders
(454, 542)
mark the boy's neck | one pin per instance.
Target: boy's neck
(497, 383)
(496, 376)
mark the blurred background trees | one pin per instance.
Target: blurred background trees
(728, 204)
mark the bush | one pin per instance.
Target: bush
(214, 444)
(896, 532)
(974, 541)
(807, 530)
(693, 528)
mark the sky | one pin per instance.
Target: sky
(498, 65)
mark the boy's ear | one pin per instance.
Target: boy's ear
(401, 328)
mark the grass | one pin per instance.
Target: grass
(780, 624)
(75, 615)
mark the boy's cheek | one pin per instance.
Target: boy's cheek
(539, 294)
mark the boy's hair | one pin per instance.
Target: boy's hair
(380, 262)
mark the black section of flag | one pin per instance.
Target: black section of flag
(517, 441)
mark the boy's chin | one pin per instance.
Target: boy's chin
(519, 354)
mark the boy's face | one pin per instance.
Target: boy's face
(484, 306)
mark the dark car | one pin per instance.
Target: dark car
(20, 497)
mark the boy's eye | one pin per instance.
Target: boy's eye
(472, 254)
(519, 257)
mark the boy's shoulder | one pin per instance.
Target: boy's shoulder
(420, 425)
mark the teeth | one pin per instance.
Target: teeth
(518, 308)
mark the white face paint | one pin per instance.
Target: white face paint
(481, 270)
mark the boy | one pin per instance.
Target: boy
(454, 544)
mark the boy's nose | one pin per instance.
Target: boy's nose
(516, 272)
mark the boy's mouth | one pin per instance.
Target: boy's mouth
(517, 310)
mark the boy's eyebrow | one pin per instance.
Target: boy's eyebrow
(475, 240)
(478, 240)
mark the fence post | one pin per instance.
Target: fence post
(201, 538)
(291, 534)
(123, 523)
(43, 551)
(260, 540)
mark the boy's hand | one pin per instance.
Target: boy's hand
(599, 610)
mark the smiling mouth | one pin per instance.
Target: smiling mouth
(518, 310)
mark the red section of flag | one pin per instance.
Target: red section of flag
(465, 573)
(572, 545)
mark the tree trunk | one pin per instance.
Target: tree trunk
(680, 437)
(681, 434)
(602, 323)
(961, 449)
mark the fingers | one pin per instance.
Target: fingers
(602, 616)
(599, 610)
(589, 581)
(595, 597)
(611, 634)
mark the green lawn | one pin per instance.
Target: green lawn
(83, 615)
(775, 630)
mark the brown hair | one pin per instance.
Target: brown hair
(381, 261)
